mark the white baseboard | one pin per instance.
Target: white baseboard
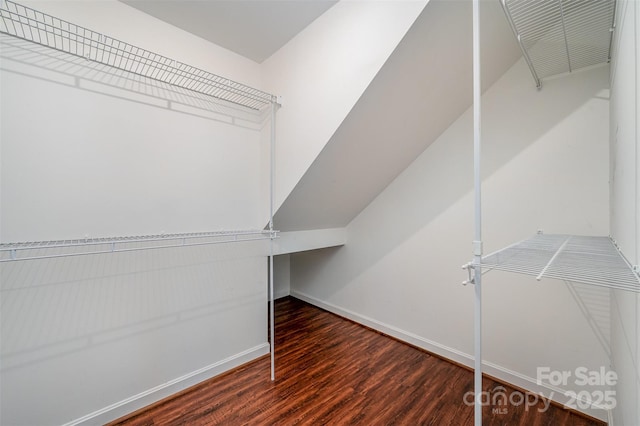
(520, 380)
(136, 402)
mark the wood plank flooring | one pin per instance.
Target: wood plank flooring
(330, 371)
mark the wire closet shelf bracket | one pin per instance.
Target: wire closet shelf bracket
(561, 36)
(32, 25)
(87, 246)
(574, 258)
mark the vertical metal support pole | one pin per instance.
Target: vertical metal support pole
(272, 312)
(477, 243)
(272, 163)
(636, 10)
(272, 326)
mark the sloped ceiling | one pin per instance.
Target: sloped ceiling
(254, 29)
(424, 86)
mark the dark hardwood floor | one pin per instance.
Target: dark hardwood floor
(330, 371)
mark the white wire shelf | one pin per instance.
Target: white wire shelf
(10, 252)
(584, 259)
(43, 29)
(560, 36)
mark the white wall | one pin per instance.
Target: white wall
(625, 212)
(545, 167)
(281, 276)
(393, 121)
(87, 151)
(95, 337)
(173, 172)
(323, 71)
(297, 241)
(78, 163)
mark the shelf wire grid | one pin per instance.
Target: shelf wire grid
(583, 259)
(10, 252)
(560, 36)
(43, 29)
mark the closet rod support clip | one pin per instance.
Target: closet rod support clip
(477, 248)
(470, 268)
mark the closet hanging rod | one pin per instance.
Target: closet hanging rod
(32, 25)
(10, 252)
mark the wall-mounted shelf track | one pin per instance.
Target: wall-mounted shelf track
(63, 248)
(38, 27)
(582, 259)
